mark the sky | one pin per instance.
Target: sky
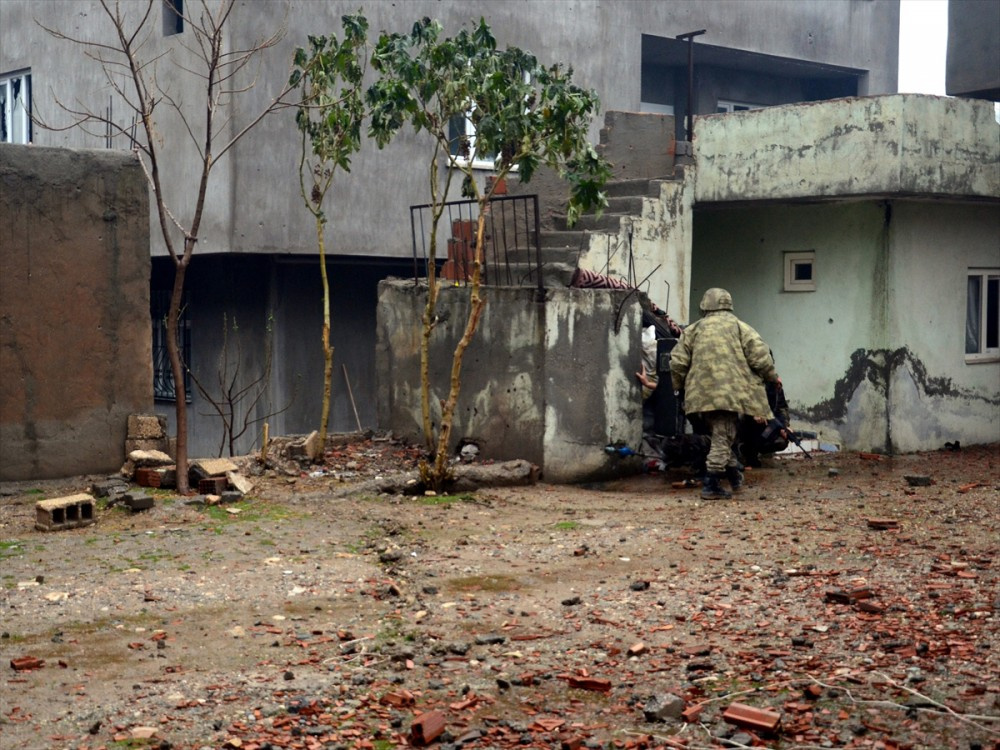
(923, 42)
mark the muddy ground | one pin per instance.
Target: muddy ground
(543, 616)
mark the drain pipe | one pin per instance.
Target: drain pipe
(687, 149)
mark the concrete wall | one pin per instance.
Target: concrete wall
(74, 309)
(550, 382)
(874, 358)
(254, 203)
(973, 67)
(906, 144)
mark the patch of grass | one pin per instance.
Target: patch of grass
(483, 583)
(35, 491)
(11, 548)
(567, 525)
(383, 744)
(446, 499)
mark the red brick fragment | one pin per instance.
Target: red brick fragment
(752, 718)
(590, 683)
(426, 728)
(636, 649)
(812, 692)
(691, 714)
(843, 596)
(398, 699)
(870, 456)
(571, 743)
(883, 524)
(24, 663)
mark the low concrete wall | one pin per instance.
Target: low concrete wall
(900, 145)
(75, 347)
(551, 382)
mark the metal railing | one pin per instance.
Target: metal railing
(511, 253)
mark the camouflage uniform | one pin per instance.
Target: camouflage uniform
(721, 364)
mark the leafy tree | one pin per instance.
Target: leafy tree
(151, 81)
(525, 115)
(330, 113)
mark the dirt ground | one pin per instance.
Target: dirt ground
(861, 611)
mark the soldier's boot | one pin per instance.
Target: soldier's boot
(712, 488)
(735, 477)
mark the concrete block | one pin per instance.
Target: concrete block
(203, 468)
(147, 426)
(70, 512)
(109, 487)
(239, 482)
(137, 501)
(149, 458)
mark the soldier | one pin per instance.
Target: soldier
(719, 368)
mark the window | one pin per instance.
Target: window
(982, 315)
(173, 17)
(800, 271)
(163, 377)
(462, 137)
(15, 107)
(728, 106)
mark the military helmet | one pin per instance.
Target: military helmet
(716, 299)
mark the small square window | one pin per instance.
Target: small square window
(800, 271)
(982, 316)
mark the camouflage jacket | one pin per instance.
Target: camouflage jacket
(721, 363)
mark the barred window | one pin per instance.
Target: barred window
(163, 378)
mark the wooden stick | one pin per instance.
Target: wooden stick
(263, 444)
(351, 394)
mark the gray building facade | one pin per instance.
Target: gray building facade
(255, 264)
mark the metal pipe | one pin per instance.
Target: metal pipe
(690, 95)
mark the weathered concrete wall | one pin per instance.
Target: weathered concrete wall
(874, 358)
(529, 388)
(75, 346)
(906, 144)
(638, 145)
(973, 67)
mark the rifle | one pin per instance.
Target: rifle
(776, 424)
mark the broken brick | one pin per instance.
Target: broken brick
(24, 663)
(426, 728)
(883, 524)
(589, 683)
(752, 718)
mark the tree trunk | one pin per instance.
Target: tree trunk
(324, 421)
(177, 368)
(440, 474)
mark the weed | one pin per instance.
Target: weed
(567, 525)
(446, 499)
(11, 548)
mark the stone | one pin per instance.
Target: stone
(110, 486)
(917, 480)
(663, 706)
(70, 512)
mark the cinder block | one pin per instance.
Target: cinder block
(203, 468)
(147, 477)
(212, 486)
(70, 512)
(147, 426)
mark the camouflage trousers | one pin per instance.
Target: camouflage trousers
(723, 426)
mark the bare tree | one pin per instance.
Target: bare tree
(148, 74)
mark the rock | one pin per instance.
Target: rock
(917, 480)
(662, 707)
(137, 501)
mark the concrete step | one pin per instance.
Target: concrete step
(573, 239)
(606, 222)
(625, 204)
(627, 188)
(525, 274)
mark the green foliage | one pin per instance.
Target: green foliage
(329, 74)
(525, 114)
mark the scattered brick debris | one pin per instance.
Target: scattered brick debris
(26, 663)
(883, 524)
